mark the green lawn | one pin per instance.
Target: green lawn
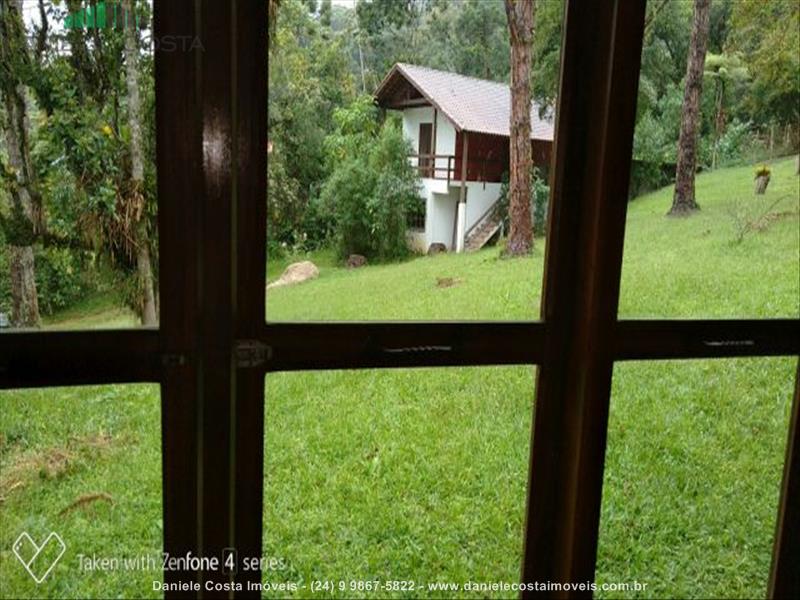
(420, 474)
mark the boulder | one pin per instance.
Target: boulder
(296, 273)
(355, 261)
(436, 248)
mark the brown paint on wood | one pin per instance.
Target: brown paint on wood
(596, 114)
(178, 142)
(784, 579)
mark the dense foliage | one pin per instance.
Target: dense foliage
(80, 149)
(324, 55)
(372, 186)
(326, 137)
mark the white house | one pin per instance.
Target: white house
(459, 127)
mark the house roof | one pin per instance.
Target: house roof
(471, 104)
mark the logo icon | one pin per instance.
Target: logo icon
(39, 559)
(103, 15)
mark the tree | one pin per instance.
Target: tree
(372, 185)
(22, 226)
(767, 34)
(95, 144)
(376, 15)
(520, 26)
(135, 201)
(309, 76)
(684, 201)
(325, 11)
(547, 51)
(726, 71)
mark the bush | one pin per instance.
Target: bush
(347, 195)
(285, 203)
(649, 176)
(368, 196)
(734, 143)
(61, 279)
(763, 171)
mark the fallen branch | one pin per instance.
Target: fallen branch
(87, 499)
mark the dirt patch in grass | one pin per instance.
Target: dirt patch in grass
(22, 468)
(446, 282)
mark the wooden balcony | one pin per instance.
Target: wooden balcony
(448, 167)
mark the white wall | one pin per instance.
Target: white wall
(445, 135)
(441, 218)
(445, 143)
(441, 209)
(412, 117)
(480, 199)
(441, 201)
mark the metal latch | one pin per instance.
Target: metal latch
(251, 353)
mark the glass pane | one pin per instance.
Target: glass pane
(692, 477)
(80, 472)
(738, 255)
(413, 475)
(373, 122)
(78, 237)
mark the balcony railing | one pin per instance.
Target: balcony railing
(444, 166)
(430, 166)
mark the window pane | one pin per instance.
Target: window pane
(412, 475)
(692, 477)
(78, 236)
(738, 254)
(83, 464)
(389, 159)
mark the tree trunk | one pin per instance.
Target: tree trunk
(144, 271)
(761, 184)
(144, 268)
(683, 201)
(520, 26)
(24, 301)
(719, 122)
(25, 220)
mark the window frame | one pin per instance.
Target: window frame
(213, 347)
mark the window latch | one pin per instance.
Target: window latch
(251, 353)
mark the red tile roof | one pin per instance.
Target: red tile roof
(471, 104)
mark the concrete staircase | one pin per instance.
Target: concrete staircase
(478, 237)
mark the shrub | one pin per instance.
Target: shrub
(762, 171)
(368, 196)
(347, 196)
(61, 278)
(735, 143)
(284, 205)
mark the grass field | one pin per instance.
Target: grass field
(420, 474)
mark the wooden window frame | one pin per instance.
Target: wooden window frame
(213, 348)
